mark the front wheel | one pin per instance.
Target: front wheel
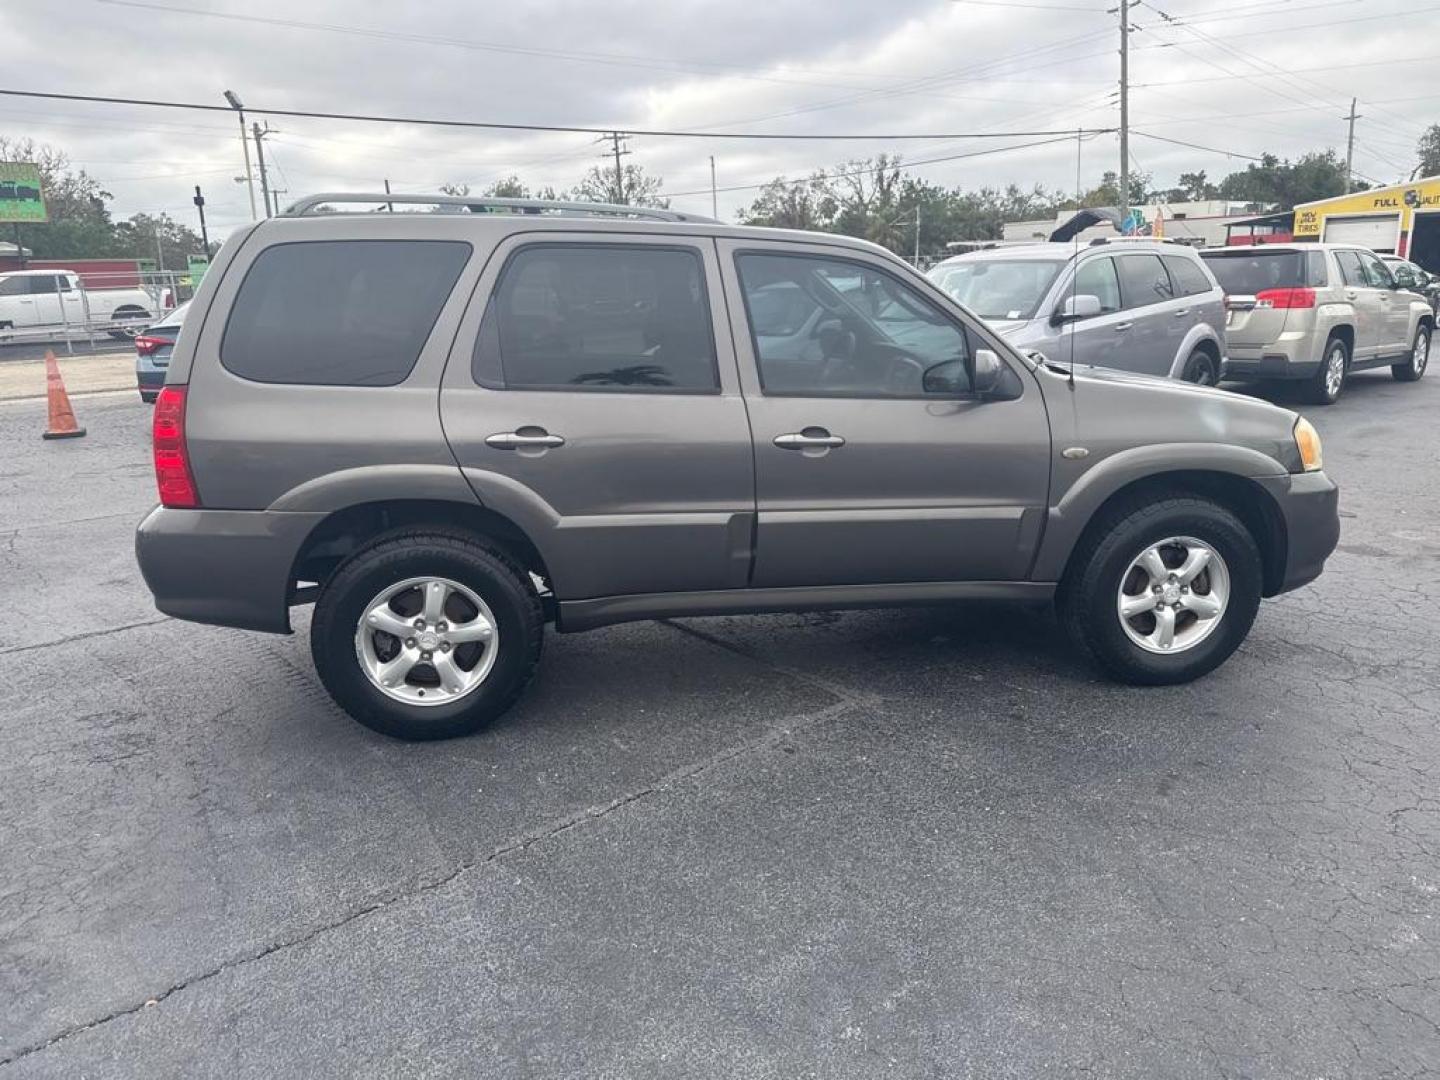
(427, 635)
(1419, 357)
(1163, 592)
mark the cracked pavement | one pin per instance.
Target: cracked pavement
(925, 842)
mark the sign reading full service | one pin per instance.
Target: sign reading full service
(21, 195)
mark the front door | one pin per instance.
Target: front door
(1099, 339)
(874, 463)
(1394, 305)
(1370, 314)
(594, 405)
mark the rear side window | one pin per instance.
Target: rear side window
(1187, 277)
(1255, 271)
(339, 313)
(1317, 273)
(599, 317)
(1143, 280)
(1350, 268)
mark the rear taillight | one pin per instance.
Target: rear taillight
(146, 345)
(172, 460)
(1285, 298)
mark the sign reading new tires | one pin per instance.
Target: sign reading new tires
(21, 194)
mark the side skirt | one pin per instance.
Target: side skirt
(577, 615)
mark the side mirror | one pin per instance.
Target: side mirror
(1075, 308)
(988, 369)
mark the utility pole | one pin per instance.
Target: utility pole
(1124, 110)
(617, 147)
(200, 206)
(917, 236)
(239, 108)
(260, 160)
(714, 201)
(1350, 145)
(390, 206)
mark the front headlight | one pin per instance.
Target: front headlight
(1307, 441)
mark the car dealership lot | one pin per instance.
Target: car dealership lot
(917, 842)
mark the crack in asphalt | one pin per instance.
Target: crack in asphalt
(85, 635)
(775, 735)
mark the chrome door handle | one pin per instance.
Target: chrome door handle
(1350, 295)
(514, 440)
(799, 440)
(1181, 314)
(1123, 326)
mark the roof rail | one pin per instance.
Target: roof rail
(483, 204)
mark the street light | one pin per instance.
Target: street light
(238, 106)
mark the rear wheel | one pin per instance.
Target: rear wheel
(1328, 382)
(1201, 369)
(1163, 592)
(427, 635)
(1419, 358)
(127, 322)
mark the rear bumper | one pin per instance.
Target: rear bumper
(1310, 504)
(223, 567)
(1290, 357)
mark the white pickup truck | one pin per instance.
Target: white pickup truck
(32, 301)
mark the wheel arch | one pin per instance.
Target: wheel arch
(344, 531)
(1346, 333)
(1249, 501)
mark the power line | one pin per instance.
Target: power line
(496, 126)
(1088, 134)
(1033, 7)
(1197, 146)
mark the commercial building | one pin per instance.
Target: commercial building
(1399, 218)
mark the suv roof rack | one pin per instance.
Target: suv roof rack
(483, 204)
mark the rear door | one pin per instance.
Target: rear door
(1370, 310)
(590, 399)
(1152, 341)
(873, 461)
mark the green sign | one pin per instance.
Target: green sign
(196, 265)
(21, 197)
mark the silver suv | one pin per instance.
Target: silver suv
(1135, 305)
(1315, 313)
(449, 429)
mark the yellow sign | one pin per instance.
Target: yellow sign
(1400, 199)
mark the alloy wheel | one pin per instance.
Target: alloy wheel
(426, 641)
(1173, 595)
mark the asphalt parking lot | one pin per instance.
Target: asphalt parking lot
(918, 843)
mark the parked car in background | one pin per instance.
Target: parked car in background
(1416, 278)
(1134, 305)
(447, 430)
(33, 300)
(153, 346)
(1313, 313)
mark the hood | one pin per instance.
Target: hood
(1007, 327)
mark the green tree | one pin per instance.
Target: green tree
(1428, 150)
(790, 204)
(636, 187)
(1316, 175)
(136, 239)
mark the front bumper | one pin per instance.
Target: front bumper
(224, 567)
(1310, 505)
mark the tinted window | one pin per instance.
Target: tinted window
(43, 286)
(1317, 273)
(869, 334)
(14, 287)
(1096, 277)
(1143, 280)
(1250, 272)
(1187, 277)
(1350, 268)
(339, 313)
(599, 317)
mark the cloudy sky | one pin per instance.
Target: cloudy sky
(1234, 77)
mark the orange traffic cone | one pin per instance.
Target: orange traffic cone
(62, 417)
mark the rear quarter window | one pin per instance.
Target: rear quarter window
(339, 312)
(1187, 276)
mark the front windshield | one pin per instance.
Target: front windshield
(999, 288)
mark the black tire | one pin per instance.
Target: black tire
(1318, 390)
(1088, 595)
(1410, 370)
(1202, 369)
(493, 575)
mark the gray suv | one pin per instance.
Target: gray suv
(1316, 312)
(449, 429)
(1135, 305)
